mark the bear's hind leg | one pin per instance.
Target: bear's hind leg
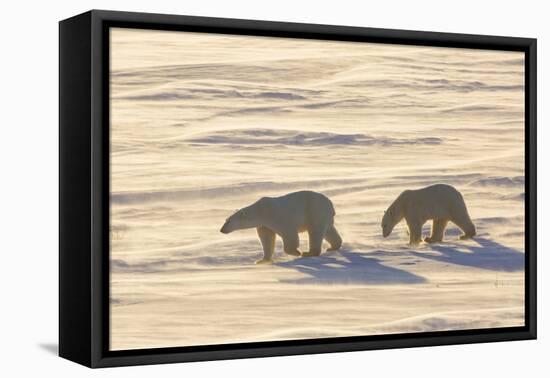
(291, 242)
(333, 237)
(438, 230)
(267, 238)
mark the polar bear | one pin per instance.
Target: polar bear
(287, 216)
(441, 203)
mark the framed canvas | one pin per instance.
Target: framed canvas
(234, 188)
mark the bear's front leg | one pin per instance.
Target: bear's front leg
(466, 225)
(415, 232)
(291, 242)
(267, 238)
(316, 235)
(333, 237)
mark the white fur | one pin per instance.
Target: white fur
(441, 203)
(287, 216)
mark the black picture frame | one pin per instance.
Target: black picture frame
(84, 188)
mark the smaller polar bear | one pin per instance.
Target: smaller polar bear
(440, 203)
(287, 216)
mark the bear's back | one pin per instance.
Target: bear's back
(311, 204)
(443, 191)
(437, 200)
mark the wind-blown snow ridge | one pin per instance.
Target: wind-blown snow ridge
(444, 321)
(205, 93)
(301, 138)
(517, 181)
(223, 191)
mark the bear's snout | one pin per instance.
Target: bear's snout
(224, 229)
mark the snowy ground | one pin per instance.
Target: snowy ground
(202, 125)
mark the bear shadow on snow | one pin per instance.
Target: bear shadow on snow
(488, 255)
(346, 267)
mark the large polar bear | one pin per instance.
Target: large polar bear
(440, 203)
(287, 216)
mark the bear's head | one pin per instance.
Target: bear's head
(240, 220)
(395, 213)
(388, 222)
